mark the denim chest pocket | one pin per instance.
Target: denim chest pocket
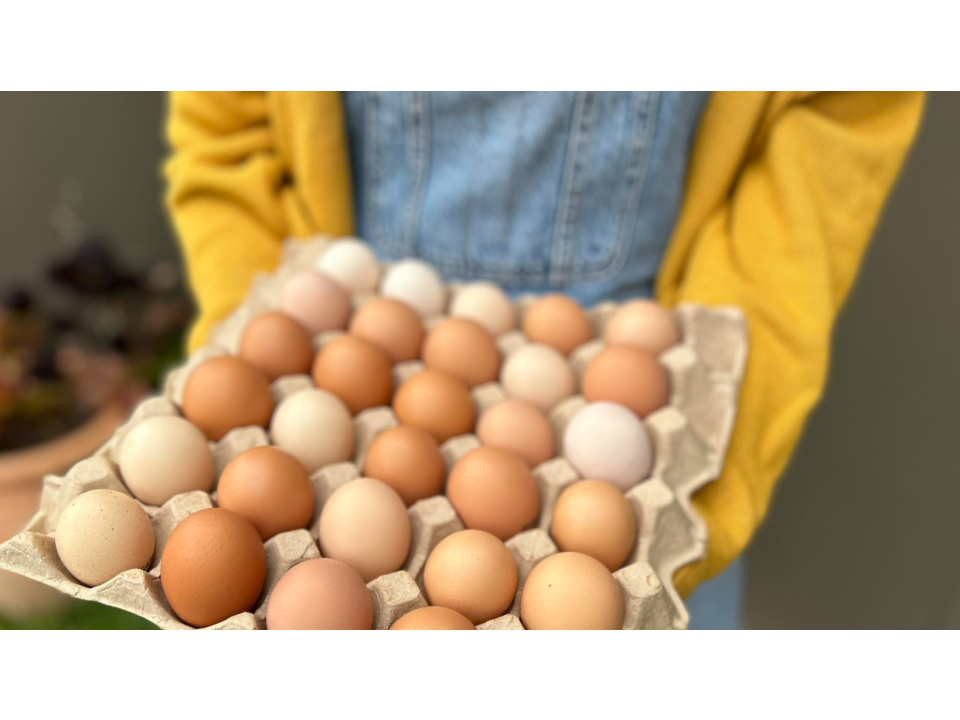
(527, 189)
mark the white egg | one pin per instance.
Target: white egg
(487, 305)
(164, 456)
(315, 427)
(605, 441)
(417, 284)
(352, 264)
(538, 374)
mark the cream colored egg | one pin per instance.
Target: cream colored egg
(416, 284)
(165, 456)
(315, 427)
(352, 264)
(538, 374)
(487, 305)
(103, 533)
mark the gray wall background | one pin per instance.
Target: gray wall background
(862, 533)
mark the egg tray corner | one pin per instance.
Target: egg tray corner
(690, 437)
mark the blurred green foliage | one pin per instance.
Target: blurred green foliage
(81, 615)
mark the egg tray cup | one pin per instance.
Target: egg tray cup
(689, 436)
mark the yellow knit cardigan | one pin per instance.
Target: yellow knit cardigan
(783, 193)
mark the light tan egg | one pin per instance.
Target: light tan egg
(435, 402)
(315, 301)
(463, 349)
(571, 591)
(538, 374)
(473, 573)
(557, 321)
(103, 533)
(392, 326)
(518, 427)
(365, 525)
(594, 518)
(487, 305)
(629, 376)
(643, 324)
(276, 344)
(315, 427)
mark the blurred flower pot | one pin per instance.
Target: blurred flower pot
(21, 479)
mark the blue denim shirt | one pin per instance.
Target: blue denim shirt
(572, 191)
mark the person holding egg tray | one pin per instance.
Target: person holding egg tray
(764, 201)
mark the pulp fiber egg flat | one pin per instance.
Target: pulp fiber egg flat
(213, 567)
(416, 284)
(473, 573)
(407, 459)
(365, 525)
(315, 427)
(268, 487)
(165, 456)
(356, 371)
(103, 533)
(320, 594)
(538, 374)
(629, 376)
(557, 321)
(518, 427)
(225, 393)
(276, 345)
(315, 301)
(643, 324)
(605, 441)
(464, 349)
(390, 325)
(352, 264)
(487, 305)
(435, 402)
(571, 591)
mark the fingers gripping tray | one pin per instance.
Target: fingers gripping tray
(690, 437)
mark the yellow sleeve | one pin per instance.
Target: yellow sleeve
(785, 247)
(224, 177)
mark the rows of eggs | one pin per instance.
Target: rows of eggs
(213, 565)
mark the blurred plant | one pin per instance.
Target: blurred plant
(91, 333)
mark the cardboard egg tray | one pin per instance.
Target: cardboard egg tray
(689, 436)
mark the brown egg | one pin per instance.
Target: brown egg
(518, 427)
(571, 591)
(320, 594)
(462, 348)
(473, 573)
(392, 326)
(493, 490)
(276, 344)
(225, 393)
(437, 403)
(268, 487)
(628, 376)
(356, 371)
(365, 524)
(643, 324)
(407, 459)
(213, 567)
(433, 618)
(594, 518)
(558, 321)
